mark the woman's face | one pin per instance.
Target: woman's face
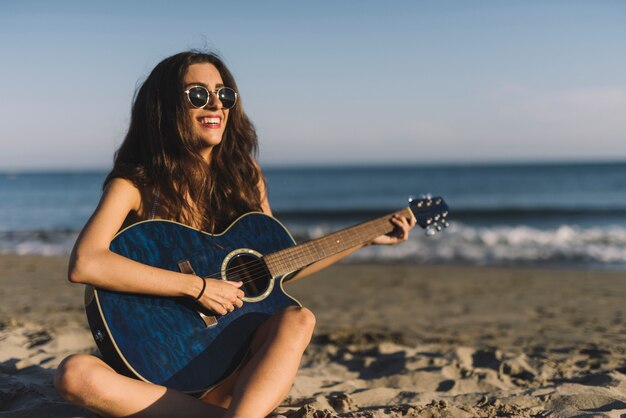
(208, 123)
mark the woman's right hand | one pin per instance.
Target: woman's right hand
(221, 296)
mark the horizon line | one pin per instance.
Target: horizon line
(354, 164)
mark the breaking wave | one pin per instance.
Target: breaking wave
(494, 245)
(502, 245)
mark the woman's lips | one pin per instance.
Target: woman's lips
(211, 122)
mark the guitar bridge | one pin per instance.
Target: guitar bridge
(209, 320)
(186, 268)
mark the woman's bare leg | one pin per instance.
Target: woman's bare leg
(255, 390)
(268, 376)
(89, 382)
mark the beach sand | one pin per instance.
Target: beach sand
(391, 341)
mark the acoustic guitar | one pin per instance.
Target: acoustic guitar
(173, 341)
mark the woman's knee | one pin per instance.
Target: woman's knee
(75, 376)
(300, 319)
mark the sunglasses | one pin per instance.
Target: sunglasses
(199, 96)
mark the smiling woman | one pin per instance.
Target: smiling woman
(209, 114)
(188, 157)
(182, 139)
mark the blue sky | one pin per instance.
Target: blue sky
(327, 81)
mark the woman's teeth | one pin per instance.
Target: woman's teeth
(210, 121)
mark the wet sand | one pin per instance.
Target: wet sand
(391, 341)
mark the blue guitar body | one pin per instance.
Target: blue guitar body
(166, 341)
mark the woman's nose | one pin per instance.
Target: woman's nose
(214, 101)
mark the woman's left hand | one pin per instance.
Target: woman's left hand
(400, 234)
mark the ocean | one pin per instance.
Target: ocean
(571, 215)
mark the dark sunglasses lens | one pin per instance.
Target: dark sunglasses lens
(227, 96)
(198, 96)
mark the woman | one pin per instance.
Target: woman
(188, 157)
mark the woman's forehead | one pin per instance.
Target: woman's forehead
(203, 72)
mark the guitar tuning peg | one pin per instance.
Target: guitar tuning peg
(430, 231)
(412, 198)
(429, 196)
(437, 226)
(445, 224)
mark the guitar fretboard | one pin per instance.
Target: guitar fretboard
(302, 255)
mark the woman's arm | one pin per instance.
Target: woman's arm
(91, 261)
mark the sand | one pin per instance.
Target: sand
(391, 341)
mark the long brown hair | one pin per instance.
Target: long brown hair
(161, 156)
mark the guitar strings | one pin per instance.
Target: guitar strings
(258, 266)
(300, 250)
(261, 266)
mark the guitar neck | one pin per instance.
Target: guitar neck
(302, 255)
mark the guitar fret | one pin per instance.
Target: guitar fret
(302, 255)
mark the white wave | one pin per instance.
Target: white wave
(37, 242)
(567, 244)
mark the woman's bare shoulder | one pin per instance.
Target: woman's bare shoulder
(121, 200)
(123, 191)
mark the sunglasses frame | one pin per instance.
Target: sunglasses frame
(215, 92)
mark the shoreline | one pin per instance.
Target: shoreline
(391, 340)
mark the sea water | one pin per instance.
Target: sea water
(537, 214)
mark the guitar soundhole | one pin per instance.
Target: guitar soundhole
(251, 271)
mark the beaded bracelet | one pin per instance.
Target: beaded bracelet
(203, 288)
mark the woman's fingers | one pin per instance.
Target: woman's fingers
(218, 309)
(236, 284)
(404, 227)
(222, 296)
(238, 293)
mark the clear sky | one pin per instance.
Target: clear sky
(327, 81)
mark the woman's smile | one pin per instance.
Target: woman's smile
(210, 122)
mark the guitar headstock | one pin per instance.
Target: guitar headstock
(431, 213)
